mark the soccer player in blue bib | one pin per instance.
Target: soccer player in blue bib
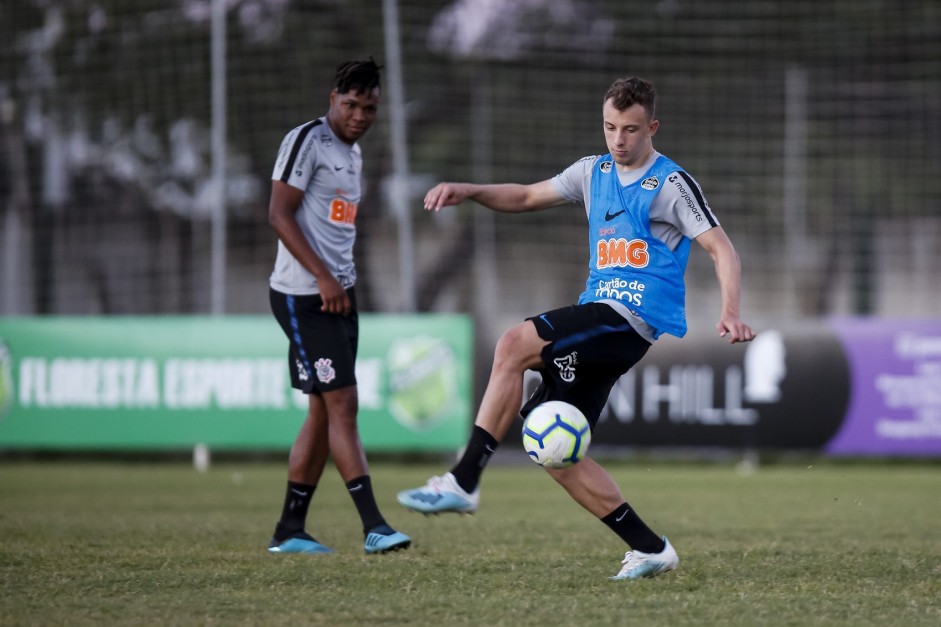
(643, 212)
(316, 187)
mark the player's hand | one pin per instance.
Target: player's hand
(335, 299)
(443, 195)
(735, 329)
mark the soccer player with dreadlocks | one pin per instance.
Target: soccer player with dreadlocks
(316, 187)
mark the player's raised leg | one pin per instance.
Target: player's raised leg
(459, 490)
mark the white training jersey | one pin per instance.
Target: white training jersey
(329, 172)
(678, 210)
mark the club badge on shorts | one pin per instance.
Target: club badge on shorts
(325, 371)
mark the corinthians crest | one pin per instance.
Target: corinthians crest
(650, 183)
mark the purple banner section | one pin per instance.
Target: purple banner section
(895, 401)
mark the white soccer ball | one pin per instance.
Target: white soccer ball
(556, 434)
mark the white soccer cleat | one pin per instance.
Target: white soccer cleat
(637, 564)
(440, 494)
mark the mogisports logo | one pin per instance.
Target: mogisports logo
(675, 179)
(282, 154)
(6, 378)
(620, 253)
(302, 160)
(650, 183)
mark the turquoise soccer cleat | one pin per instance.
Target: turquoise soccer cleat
(439, 495)
(298, 543)
(384, 539)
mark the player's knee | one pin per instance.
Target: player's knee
(518, 348)
(342, 403)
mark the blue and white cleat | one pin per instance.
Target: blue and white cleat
(384, 539)
(298, 543)
(637, 564)
(439, 495)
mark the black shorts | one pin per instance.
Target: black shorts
(590, 347)
(322, 351)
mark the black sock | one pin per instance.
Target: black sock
(294, 513)
(467, 471)
(627, 524)
(360, 490)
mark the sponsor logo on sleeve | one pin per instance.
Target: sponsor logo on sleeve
(687, 197)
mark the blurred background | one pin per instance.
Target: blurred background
(813, 127)
(137, 141)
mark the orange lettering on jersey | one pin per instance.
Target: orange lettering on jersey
(637, 254)
(619, 253)
(343, 211)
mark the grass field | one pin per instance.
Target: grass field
(790, 544)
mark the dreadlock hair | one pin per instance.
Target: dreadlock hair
(626, 92)
(362, 76)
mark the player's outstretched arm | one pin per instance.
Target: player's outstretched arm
(506, 197)
(729, 272)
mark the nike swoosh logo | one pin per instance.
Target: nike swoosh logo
(489, 448)
(298, 492)
(610, 216)
(356, 487)
(338, 167)
(621, 517)
(546, 320)
(425, 497)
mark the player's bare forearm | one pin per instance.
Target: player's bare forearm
(728, 273)
(508, 197)
(505, 197)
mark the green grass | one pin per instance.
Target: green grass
(110, 543)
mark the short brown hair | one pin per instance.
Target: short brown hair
(626, 92)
